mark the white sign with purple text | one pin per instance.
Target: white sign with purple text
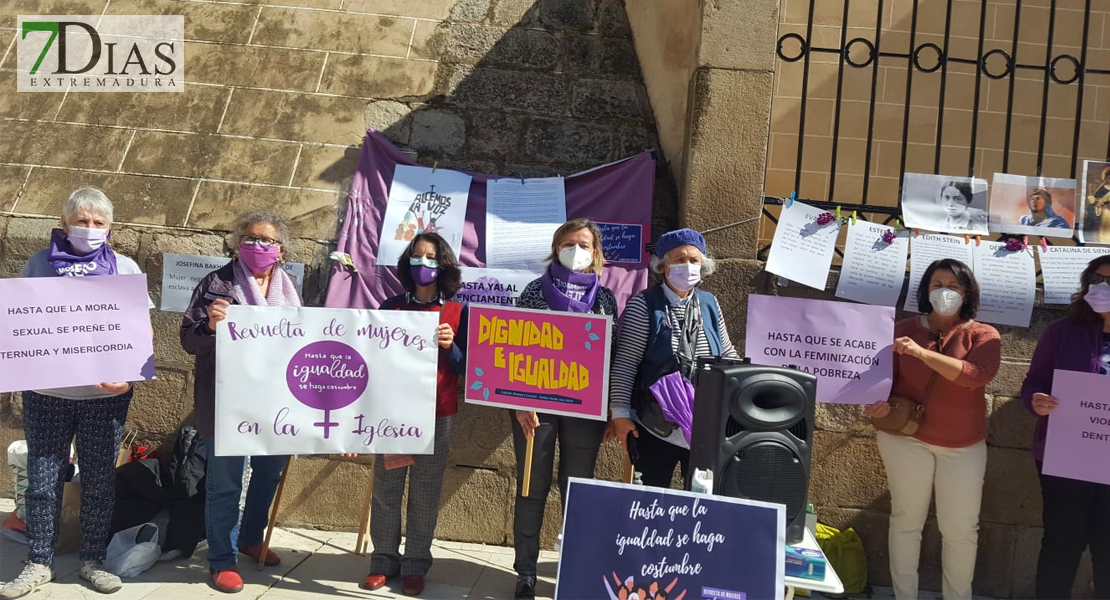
(325, 381)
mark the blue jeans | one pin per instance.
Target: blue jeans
(223, 487)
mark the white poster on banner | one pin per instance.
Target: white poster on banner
(501, 287)
(927, 248)
(802, 250)
(423, 200)
(521, 217)
(873, 269)
(1061, 267)
(182, 272)
(325, 381)
(1007, 284)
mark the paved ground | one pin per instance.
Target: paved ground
(315, 565)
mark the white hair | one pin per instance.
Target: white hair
(708, 265)
(261, 215)
(90, 199)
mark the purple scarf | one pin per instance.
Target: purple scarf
(282, 292)
(67, 264)
(568, 291)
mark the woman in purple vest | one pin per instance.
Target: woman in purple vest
(1076, 513)
(664, 330)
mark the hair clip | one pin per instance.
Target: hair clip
(838, 213)
(434, 165)
(915, 232)
(521, 175)
(853, 217)
(793, 195)
(1044, 244)
(978, 240)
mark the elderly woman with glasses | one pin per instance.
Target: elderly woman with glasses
(254, 278)
(664, 330)
(1075, 512)
(94, 413)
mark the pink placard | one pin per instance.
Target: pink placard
(70, 331)
(1079, 428)
(847, 346)
(549, 362)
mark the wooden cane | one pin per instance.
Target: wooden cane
(273, 514)
(364, 522)
(529, 447)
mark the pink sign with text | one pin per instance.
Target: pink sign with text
(539, 360)
(70, 331)
(847, 346)
(1079, 428)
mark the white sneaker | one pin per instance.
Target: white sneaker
(33, 577)
(104, 582)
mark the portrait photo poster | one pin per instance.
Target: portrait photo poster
(1094, 201)
(1041, 206)
(946, 204)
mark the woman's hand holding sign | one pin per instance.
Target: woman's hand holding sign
(1044, 404)
(878, 410)
(217, 311)
(446, 336)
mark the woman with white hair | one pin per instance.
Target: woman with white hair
(664, 330)
(94, 413)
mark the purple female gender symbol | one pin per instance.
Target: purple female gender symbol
(327, 375)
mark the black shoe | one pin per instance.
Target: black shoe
(525, 586)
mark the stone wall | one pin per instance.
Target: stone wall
(279, 95)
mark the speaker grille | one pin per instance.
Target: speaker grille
(766, 471)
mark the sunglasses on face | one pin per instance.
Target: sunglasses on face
(260, 242)
(1096, 279)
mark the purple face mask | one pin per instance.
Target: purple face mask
(423, 275)
(258, 259)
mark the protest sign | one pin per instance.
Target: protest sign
(541, 360)
(182, 272)
(847, 346)
(626, 541)
(622, 242)
(1079, 428)
(69, 331)
(494, 286)
(325, 381)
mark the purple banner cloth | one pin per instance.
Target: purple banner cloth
(619, 191)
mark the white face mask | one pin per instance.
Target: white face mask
(86, 240)
(1098, 297)
(684, 276)
(576, 258)
(946, 302)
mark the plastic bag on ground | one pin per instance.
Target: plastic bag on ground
(133, 550)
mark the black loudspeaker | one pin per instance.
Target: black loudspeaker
(753, 428)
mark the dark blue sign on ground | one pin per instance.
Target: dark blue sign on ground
(623, 541)
(622, 242)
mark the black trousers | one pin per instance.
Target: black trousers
(579, 441)
(1076, 515)
(655, 459)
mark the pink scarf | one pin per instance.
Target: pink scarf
(282, 292)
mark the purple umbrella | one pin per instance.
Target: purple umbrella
(675, 394)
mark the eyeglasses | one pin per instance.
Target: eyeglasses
(260, 242)
(1095, 279)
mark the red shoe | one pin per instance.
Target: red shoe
(412, 585)
(228, 580)
(255, 551)
(373, 581)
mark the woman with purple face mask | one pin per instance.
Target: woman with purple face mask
(95, 414)
(664, 330)
(1075, 512)
(254, 278)
(430, 275)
